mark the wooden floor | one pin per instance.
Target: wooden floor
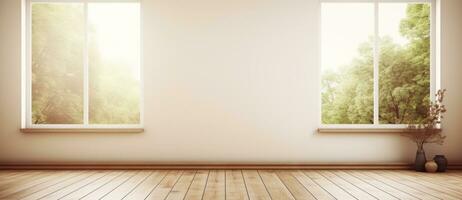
(229, 184)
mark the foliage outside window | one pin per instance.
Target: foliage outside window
(84, 63)
(391, 39)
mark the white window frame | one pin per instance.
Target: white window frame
(376, 127)
(26, 121)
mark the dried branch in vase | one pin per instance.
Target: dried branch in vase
(428, 130)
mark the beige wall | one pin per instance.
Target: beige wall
(227, 81)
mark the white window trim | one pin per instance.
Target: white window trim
(26, 77)
(434, 69)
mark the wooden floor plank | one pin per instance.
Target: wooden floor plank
(398, 190)
(125, 188)
(294, 186)
(196, 190)
(317, 191)
(181, 187)
(235, 186)
(107, 188)
(275, 187)
(453, 177)
(30, 184)
(422, 185)
(215, 188)
(83, 191)
(7, 173)
(164, 187)
(350, 188)
(15, 175)
(56, 179)
(333, 189)
(230, 184)
(21, 179)
(143, 190)
(364, 185)
(42, 193)
(453, 173)
(443, 179)
(74, 186)
(255, 187)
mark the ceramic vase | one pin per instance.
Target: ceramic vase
(431, 166)
(442, 163)
(420, 160)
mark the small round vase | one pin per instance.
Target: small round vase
(431, 166)
(442, 163)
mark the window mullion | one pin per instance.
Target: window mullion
(28, 66)
(434, 53)
(85, 71)
(376, 62)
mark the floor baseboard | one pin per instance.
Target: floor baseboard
(208, 166)
(211, 166)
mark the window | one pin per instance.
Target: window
(83, 64)
(376, 62)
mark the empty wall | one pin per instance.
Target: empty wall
(227, 81)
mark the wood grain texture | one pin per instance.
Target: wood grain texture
(235, 186)
(255, 186)
(312, 186)
(196, 190)
(356, 192)
(122, 190)
(329, 186)
(178, 192)
(215, 187)
(145, 188)
(229, 184)
(398, 189)
(23, 190)
(294, 186)
(364, 185)
(165, 186)
(83, 191)
(109, 187)
(274, 185)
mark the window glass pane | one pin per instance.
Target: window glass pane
(347, 63)
(114, 63)
(57, 63)
(404, 63)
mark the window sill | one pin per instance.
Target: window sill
(361, 130)
(82, 130)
